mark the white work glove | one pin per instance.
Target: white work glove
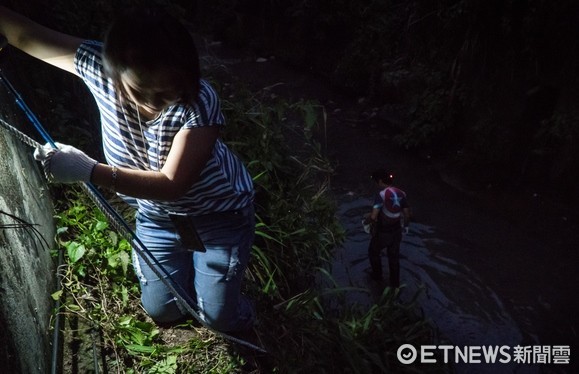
(367, 227)
(65, 164)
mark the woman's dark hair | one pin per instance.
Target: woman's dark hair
(383, 175)
(148, 39)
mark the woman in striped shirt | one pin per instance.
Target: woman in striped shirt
(160, 129)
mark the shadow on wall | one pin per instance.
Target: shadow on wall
(26, 267)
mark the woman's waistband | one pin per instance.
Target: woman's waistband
(240, 212)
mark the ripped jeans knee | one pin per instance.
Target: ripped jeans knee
(212, 278)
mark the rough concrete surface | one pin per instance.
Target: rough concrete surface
(26, 267)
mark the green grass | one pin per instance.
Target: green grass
(297, 231)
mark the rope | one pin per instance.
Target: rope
(117, 222)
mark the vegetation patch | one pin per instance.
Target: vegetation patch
(305, 325)
(297, 231)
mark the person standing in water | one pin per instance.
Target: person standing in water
(389, 219)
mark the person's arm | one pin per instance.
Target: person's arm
(406, 219)
(48, 45)
(376, 206)
(406, 216)
(374, 214)
(189, 154)
(371, 217)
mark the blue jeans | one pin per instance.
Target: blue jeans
(212, 278)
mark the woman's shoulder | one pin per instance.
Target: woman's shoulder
(88, 56)
(88, 63)
(204, 111)
(90, 48)
(206, 88)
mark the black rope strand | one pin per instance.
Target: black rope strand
(22, 224)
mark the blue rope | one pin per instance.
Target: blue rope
(29, 113)
(119, 223)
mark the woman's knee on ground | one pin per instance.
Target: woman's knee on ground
(163, 312)
(229, 319)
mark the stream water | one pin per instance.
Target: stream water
(482, 278)
(496, 271)
(464, 310)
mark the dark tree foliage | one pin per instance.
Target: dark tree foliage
(488, 84)
(484, 84)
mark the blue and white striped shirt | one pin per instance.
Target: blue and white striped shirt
(224, 183)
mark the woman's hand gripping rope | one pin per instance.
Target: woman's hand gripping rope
(65, 164)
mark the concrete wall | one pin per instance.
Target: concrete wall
(27, 271)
